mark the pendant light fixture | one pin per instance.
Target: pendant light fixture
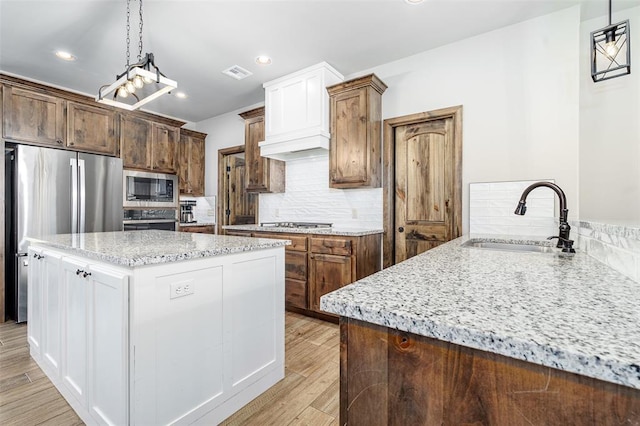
(140, 83)
(610, 51)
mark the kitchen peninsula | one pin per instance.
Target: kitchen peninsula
(464, 335)
(157, 327)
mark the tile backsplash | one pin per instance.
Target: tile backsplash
(308, 198)
(205, 209)
(614, 245)
(491, 207)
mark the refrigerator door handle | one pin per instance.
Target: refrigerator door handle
(74, 195)
(82, 199)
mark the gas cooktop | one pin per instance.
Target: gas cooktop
(295, 225)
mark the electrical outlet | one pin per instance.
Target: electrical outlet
(354, 213)
(276, 213)
(180, 289)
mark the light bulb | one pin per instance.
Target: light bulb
(129, 86)
(611, 49)
(123, 92)
(138, 82)
(147, 80)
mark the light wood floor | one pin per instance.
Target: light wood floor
(308, 395)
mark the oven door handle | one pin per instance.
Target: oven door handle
(141, 221)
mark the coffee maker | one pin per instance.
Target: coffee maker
(186, 211)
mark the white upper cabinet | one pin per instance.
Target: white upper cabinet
(297, 112)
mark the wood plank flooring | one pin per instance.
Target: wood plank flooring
(308, 395)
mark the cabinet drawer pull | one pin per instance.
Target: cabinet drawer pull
(86, 274)
(79, 271)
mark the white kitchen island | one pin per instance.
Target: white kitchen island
(157, 327)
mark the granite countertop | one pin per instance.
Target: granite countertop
(571, 313)
(196, 224)
(346, 231)
(138, 248)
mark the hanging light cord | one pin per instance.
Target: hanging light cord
(129, 31)
(128, 39)
(140, 35)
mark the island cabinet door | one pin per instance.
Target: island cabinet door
(75, 293)
(328, 272)
(34, 303)
(52, 310)
(108, 345)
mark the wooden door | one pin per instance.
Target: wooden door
(33, 117)
(91, 129)
(164, 148)
(135, 142)
(184, 156)
(424, 186)
(241, 205)
(328, 272)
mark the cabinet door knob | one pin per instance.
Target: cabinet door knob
(79, 271)
(59, 142)
(86, 274)
(401, 229)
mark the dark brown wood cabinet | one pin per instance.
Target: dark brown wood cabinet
(91, 129)
(318, 264)
(262, 174)
(135, 142)
(191, 159)
(33, 117)
(207, 229)
(164, 148)
(355, 152)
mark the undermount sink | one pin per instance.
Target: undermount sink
(504, 246)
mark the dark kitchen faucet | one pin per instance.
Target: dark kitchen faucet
(563, 237)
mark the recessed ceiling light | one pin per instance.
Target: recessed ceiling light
(263, 60)
(65, 55)
(181, 95)
(414, 1)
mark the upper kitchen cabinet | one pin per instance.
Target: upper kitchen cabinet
(91, 129)
(135, 142)
(356, 151)
(164, 148)
(261, 174)
(191, 162)
(33, 117)
(297, 113)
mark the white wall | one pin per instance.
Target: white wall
(520, 92)
(222, 131)
(610, 134)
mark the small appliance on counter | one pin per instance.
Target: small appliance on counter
(186, 211)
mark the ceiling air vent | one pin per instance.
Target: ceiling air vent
(237, 72)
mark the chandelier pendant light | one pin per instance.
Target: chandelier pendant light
(140, 83)
(610, 51)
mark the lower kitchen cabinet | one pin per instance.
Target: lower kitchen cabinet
(319, 264)
(208, 229)
(77, 329)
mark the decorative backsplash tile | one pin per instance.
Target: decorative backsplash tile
(617, 246)
(491, 207)
(309, 198)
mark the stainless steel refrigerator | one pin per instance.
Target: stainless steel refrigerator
(51, 191)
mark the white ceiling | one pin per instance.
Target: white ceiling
(193, 41)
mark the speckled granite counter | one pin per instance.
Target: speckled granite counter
(181, 224)
(571, 313)
(138, 248)
(352, 232)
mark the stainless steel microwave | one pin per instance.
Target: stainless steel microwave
(144, 189)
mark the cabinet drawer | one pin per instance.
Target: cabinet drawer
(208, 229)
(331, 246)
(295, 293)
(298, 243)
(295, 265)
(237, 233)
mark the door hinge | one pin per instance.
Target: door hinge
(228, 168)
(227, 212)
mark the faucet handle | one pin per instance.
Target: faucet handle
(567, 245)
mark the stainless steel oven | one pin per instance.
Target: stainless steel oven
(144, 189)
(143, 219)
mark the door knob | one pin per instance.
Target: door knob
(401, 229)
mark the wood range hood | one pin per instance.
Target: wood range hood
(297, 113)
